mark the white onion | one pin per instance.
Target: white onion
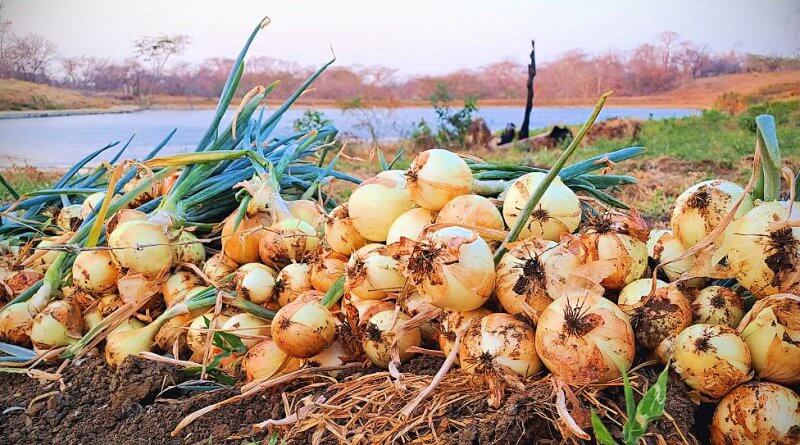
(772, 331)
(177, 285)
(471, 211)
(303, 328)
(664, 349)
(92, 203)
(702, 207)
(69, 217)
(585, 340)
(521, 279)
(757, 413)
(453, 322)
(126, 241)
(291, 282)
(335, 355)
(189, 251)
(326, 269)
(562, 261)
(662, 247)
(288, 241)
(340, 233)
(763, 259)
(436, 176)
(635, 291)
(556, 214)
(376, 203)
(711, 359)
(59, 324)
(45, 253)
(628, 254)
(657, 315)
(197, 333)
(454, 267)
(101, 308)
(249, 328)
(256, 282)
(15, 323)
(370, 275)
(499, 341)
(265, 360)
(124, 216)
(95, 271)
(172, 330)
(241, 245)
(410, 224)
(219, 266)
(379, 335)
(308, 211)
(718, 305)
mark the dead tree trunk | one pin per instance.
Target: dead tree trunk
(526, 122)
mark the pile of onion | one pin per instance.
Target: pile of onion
(499, 342)
(436, 176)
(521, 282)
(718, 305)
(772, 331)
(377, 202)
(757, 413)
(556, 214)
(655, 315)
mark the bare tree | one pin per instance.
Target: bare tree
(6, 35)
(157, 50)
(31, 56)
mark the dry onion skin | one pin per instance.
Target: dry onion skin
(219, 266)
(58, 324)
(334, 355)
(757, 413)
(619, 239)
(436, 176)
(45, 253)
(562, 261)
(379, 335)
(712, 359)
(288, 241)
(656, 315)
(124, 216)
(557, 213)
(177, 285)
(69, 218)
(95, 271)
(453, 322)
(92, 203)
(265, 360)
(126, 242)
(241, 243)
(521, 281)
(376, 203)
(718, 305)
(340, 233)
(20, 280)
(701, 208)
(663, 247)
(292, 281)
(585, 340)
(471, 211)
(410, 224)
(303, 328)
(255, 282)
(454, 267)
(308, 211)
(499, 342)
(764, 258)
(664, 349)
(171, 331)
(371, 275)
(772, 331)
(326, 269)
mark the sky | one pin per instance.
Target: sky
(416, 37)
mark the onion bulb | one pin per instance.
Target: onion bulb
(188, 250)
(664, 349)
(102, 307)
(718, 305)
(308, 211)
(59, 324)
(291, 282)
(20, 280)
(436, 176)
(521, 281)
(95, 271)
(499, 341)
(711, 359)
(249, 328)
(172, 330)
(702, 207)
(127, 325)
(255, 282)
(376, 203)
(764, 258)
(453, 322)
(471, 211)
(627, 253)
(410, 224)
(69, 217)
(379, 335)
(152, 260)
(454, 268)
(197, 333)
(124, 216)
(288, 241)
(655, 316)
(340, 233)
(772, 331)
(335, 355)
(303, 328)
(241, 245)
(662, 247)
(370, 275)
(556, 214)
(562, 261)
(15, 323)
(177, 285)
(636, 291)
(757, 413)
(585, 340)
(219, 266)
(266, 360)
(326, 269)
(45, 254)
(92, 203)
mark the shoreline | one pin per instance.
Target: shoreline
(28, 114)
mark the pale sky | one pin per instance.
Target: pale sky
(417, 37)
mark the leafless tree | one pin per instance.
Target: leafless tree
(31, 56)
(6, 34)
(157, 50)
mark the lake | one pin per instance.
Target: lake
(63, 140)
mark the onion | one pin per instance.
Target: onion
(711, 359)
(556, 214)
(197, 333)
(102, 307)
(379, 336)
(453, 322)
(340, 233)
(367, 308)
(187, 250)
(718, 305)
(20, 280)
(765, 259)
(69, 217)
(326, 269)
(454, 267)
(127, 325)
(288, 241)
(255, 282)
(126, 240)
(241, 245)
(628, 254)
(471, 211)
(177, 286)
(370, 275)
(664, 349)
(172, 330)
(521, 280)
(303, 328)
(376, 203)
(265, 360)
(292, 281)
(44, 254)
(500, 341)
(585, 340)
(308, 211)
(249, 328)
(94, 271)
(655, 316)
(59, 324)
(662, 247)
(219, 266)
(702, 207)
(636, 291)
(15, 323)
(562, 261)
(91, 203)
(410, 224)
(757, 413)
(124, 216)
(772, 331)
(436, 176)
(335, 355)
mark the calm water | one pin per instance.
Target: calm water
(60, 141)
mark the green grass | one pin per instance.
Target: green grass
(25, 180)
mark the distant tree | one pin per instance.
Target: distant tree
(31, 56)
(6, 35)
(157, 50)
